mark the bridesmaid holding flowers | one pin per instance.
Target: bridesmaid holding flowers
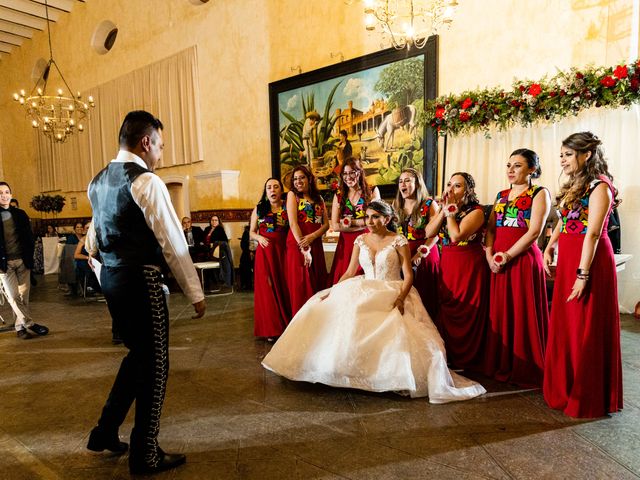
(518, 312)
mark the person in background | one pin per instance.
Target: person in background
(84, 274)
(269, 227)
(14, 203)
(16, 262)
(518, 310)
(246, 260)
(195, 239)
(347, 213)
(67, 271)
(215, 236)
(415, 208)
(463, 285)
(51, 231)
(583, 363)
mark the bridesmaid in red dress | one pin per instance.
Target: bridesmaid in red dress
(415, 208)
(518, 311)
(463, 286)
(269, 227)
(306, 271)
(347, 213)
(583, 364)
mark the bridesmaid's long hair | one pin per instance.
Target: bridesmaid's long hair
(313, 188)
(386, 210)
(264, 205)
(595, 166)
(422, 193)
(365, 189)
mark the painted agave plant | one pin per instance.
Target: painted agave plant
(291, 134)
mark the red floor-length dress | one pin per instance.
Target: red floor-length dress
(583, 364)
(271, 310)
(344, 249)
(463, 288)
(303, 282)
(425, 278)
(518, 311)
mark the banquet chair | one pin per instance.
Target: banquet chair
(214, 264)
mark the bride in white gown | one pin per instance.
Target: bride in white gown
(371, 332)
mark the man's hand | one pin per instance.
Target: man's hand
(200, 308)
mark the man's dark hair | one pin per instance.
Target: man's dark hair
(136, 125)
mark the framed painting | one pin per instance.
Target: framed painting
(368, 108)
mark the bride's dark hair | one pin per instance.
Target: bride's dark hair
(386, 210)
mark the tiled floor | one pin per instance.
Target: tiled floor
(234, 420)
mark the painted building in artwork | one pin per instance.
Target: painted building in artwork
(357, 123)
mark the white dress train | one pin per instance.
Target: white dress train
(355, 338)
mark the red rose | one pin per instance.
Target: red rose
(621, 72)
(439, 112)
(515, 103)
(521, 88)
(464, 116)
(553, 94)
(608, 81)
(467, 103)
(635, 83)
(535, 89)
(562, 93)
(579, 75)
(498, 258)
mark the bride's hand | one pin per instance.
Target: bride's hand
(399, 304)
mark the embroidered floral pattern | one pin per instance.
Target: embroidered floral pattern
(309, 212)
(517, 212)
(355, 211)
(415, 231)
(575, 219)
(475, 238)
(274, 221)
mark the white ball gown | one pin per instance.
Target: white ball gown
(355, 338)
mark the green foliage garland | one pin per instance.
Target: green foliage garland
(547, 100)
(48, 203)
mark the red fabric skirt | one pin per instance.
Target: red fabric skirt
(303, 282)
(518, 315)
(342, 257)
(583, 364)
(425, 277)
(464, 304)
(271, 311)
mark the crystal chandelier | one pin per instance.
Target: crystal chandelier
(56, 114)
(408, 23)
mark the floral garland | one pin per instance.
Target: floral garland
(550, 99)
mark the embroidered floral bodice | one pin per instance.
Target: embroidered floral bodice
(415, 230)
(386, 264)
(575, 220)
(515, 213)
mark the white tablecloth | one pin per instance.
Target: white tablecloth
(50, 254)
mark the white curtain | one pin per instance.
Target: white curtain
(168, 89)
(619, 130)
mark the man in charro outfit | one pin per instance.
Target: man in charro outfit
(134, 227)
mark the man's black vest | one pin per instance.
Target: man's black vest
(124, 239)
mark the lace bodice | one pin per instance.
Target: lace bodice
(386, 265)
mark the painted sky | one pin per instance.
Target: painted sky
(358, 87)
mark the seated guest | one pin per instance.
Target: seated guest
(83, 270)
(51, 231)
(195, 239)
(215, 236)
(67, 270)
